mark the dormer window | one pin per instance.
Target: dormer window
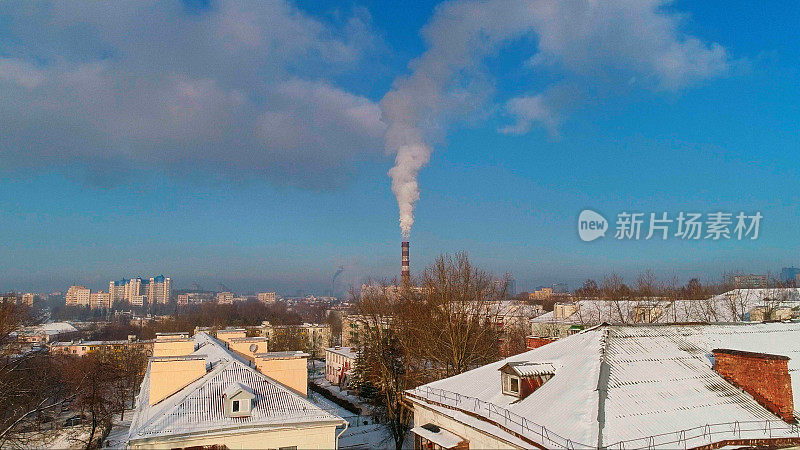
(238, 400)
(510, 384)
(520, 379)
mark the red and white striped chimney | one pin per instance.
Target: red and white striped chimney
(405, 272)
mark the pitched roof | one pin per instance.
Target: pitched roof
(198, 408)
(621, 386)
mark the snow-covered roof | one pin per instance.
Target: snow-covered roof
(347, 352)
(53, 328)
(198, 408)
(625, 387)
(530, 369)
(732, 306)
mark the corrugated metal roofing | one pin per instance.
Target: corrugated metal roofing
(198, 407)
(647, 385)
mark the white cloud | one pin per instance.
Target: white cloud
(239, 87)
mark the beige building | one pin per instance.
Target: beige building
(339, 363)
(266, 297)
(27, 298)
(78, 296)
(99, 300)
(225, 298)
(204, 395)
(138, 291)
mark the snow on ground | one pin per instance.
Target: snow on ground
(361, 431)
(118, 436)
(333, 389)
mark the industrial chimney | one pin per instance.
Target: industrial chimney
(405, 272)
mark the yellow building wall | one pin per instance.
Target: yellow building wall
(173, 348)
(314, 437)
(226, 336)
(170, 376)
(243, 348)
(476, 438)
(292, 373)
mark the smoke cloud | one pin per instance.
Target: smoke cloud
(581, 42)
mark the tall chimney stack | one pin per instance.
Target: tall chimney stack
(405, 272)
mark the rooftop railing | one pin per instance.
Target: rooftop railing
(685, 438)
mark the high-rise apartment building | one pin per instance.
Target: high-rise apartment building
(78, 296)
(138, 291)
(99, 300)
(159, 289)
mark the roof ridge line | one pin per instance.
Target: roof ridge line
(602, 386)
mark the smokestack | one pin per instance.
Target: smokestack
(405, 272)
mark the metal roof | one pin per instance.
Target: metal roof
(198, 408)
(627, 387)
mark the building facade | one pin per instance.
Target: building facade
(339, 363)
(266, 297)
(139, 292)
(78, 296)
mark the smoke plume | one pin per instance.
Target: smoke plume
(614, 43)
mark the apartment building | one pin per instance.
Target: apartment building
(198, 393)
(225, 298)
(650, 386)
(138, 291)
(78, 296)
(266, 297)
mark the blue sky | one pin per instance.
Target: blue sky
(245, 145)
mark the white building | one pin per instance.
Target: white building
(339, 362)
(672, 386)
(197, 393)
(266, 297)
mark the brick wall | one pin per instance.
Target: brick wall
(764, 376)
(533, 342)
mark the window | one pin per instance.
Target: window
(235, 406)
(510, 384)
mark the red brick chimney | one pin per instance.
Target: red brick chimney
(764, 376)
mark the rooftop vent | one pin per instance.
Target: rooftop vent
(522, 378)
(764, 376)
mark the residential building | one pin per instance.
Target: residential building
(81, 347)
(138, 291)
(198, 393)
(339, 363)
(789, 274)
(225, 298)
(318, 335)
(28, 298)
(99, 300)
(738, 305)
(159, 290)
(614, 386)
(78, 296)
(541, 293)
(751, 281)
(266, 297)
